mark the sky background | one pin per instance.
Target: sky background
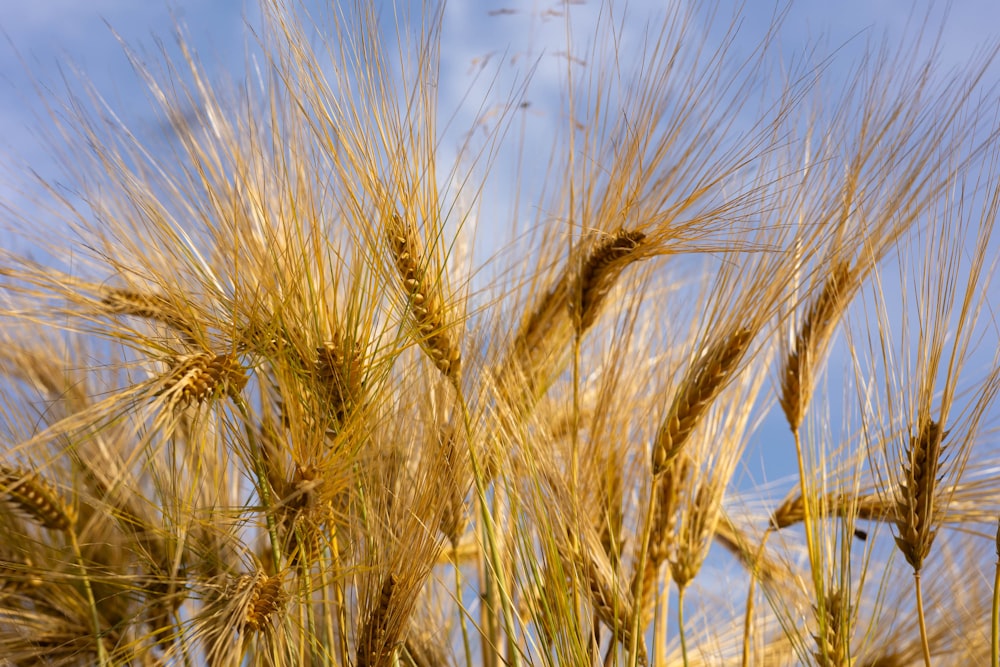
(51, 42)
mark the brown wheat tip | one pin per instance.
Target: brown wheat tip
(36, 498)
(699, 387)
(796, 376)
(265, 599)
(834, 639)
(197, 377)
(373, 649)
(915, 493)
(598, 272)
(425, 302)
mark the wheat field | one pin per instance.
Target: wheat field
(277, 396)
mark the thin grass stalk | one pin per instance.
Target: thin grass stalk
(995, 608)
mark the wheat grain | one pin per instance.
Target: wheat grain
(266, 598)
(702, 382)
(810, 340)
(599, 270)
(195, 378)
(834, 639)
(426, 304)
(915, 495)
(666, 505)
(36, 498)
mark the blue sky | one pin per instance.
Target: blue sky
(50, 42)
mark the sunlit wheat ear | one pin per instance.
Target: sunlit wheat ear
(423, 648)
(545, 335)
(373, 650)
(195, 378)
(702, 382)
(266, 597)
(147, 306)
(834, 641)
(799, 366)
(600, 267)
(757, 562)
(426, 305)
(35, 498)
(453, 520)
(792, 510)
(695, 533)
(915, 502)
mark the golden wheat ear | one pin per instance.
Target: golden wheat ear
(915, 495)
(702, 382)
(599, 269)
(425, 302)
(372, 650)
(798, 369)
(34, 497)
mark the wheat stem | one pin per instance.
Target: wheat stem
(995, 624)
(924, 645)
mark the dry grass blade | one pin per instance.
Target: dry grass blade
(437, 337)
(36, 498)
(701, 384)
(915, 495)
(810, 340)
